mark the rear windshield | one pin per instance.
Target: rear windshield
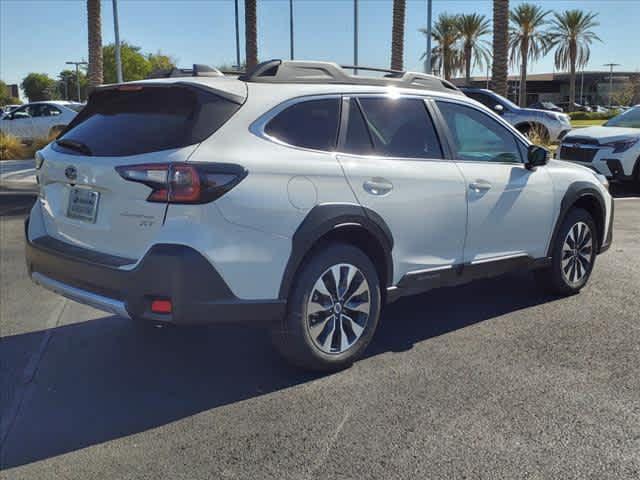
(130, 122)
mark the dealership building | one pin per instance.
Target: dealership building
(592, 88)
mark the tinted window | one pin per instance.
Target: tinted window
(484, 99)
(130, 122)
(49, 111)
(357, 139)
(630, 119)
(309, 124)
(401, 127)
(478, 137)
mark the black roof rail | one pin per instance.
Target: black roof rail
(298, 71)
(197, 70)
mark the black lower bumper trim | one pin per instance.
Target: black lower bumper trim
(198, 293)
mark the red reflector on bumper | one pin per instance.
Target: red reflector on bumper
(161, 306)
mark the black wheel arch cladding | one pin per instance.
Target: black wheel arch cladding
(580, 194)
(321, 221)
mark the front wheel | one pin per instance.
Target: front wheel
(333, 310)
(573, 254)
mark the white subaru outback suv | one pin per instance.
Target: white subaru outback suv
(302, 197)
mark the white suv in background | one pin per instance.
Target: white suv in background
(301, 197)
(612, 149)
(39, 119)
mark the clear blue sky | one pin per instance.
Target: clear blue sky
(40, 35)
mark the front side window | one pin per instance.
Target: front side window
(49, 111)
(400, 127)
(478, 137)
(308, 124)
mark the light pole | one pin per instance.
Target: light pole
(355, 35)
(427, 57)
(77, 64)
(582, 87)
(237, 37)
(291, 27)
(611, 65)
(116, 29)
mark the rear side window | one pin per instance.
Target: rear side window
(308, 124)
(149, 119)
(357, 140)
(401, 127)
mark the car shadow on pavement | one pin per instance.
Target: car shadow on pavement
(104, 379)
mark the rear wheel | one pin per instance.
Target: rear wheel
(333, 310)
(573, 254)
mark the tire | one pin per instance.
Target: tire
(571, 267)
(310, 337)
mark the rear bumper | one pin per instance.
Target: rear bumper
(198, 293)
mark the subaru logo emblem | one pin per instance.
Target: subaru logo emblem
(70, 172)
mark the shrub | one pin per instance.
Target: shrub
(12, 148)
(593, 115)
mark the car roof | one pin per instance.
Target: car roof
(54, 102)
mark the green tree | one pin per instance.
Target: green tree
(446, 53)
(39, 86)
(135, 65)
(572, 34)
(5, 98)
(528, 40)
(67, 85)
(500, 65)
(472, 27)
(160, 61)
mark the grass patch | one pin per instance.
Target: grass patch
(12, 148)
(586, 123)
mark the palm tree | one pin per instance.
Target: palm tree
(397, 34)
(499, 68)
(446, 34)
(95, 42)
(251, 33)
(527, 40)
(572, 34)
(471, 28)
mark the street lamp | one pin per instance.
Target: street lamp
(355, 35)
(77, 64)
(427, 57)
(611, 65)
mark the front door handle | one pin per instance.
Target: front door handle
(480, 186)
(378, 186)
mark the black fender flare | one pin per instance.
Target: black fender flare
(324, 218)
(574, 193)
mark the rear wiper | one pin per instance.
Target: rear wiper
(74, 145)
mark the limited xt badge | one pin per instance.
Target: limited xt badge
(71, 172)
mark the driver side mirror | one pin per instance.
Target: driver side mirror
(498, 109)
(536, 156)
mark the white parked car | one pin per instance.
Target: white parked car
(301, 197)
(612, 149)
(8, 109)
(39, 119)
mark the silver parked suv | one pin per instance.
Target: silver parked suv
(552, 126)
(302, 197)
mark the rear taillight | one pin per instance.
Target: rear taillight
(184, 182)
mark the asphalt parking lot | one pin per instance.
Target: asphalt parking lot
(490, 380)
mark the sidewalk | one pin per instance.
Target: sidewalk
(18, 175)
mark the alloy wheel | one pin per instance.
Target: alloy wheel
(577, 254)
(338, 308)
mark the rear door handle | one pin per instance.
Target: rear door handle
(480, 186)
(377, 186)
